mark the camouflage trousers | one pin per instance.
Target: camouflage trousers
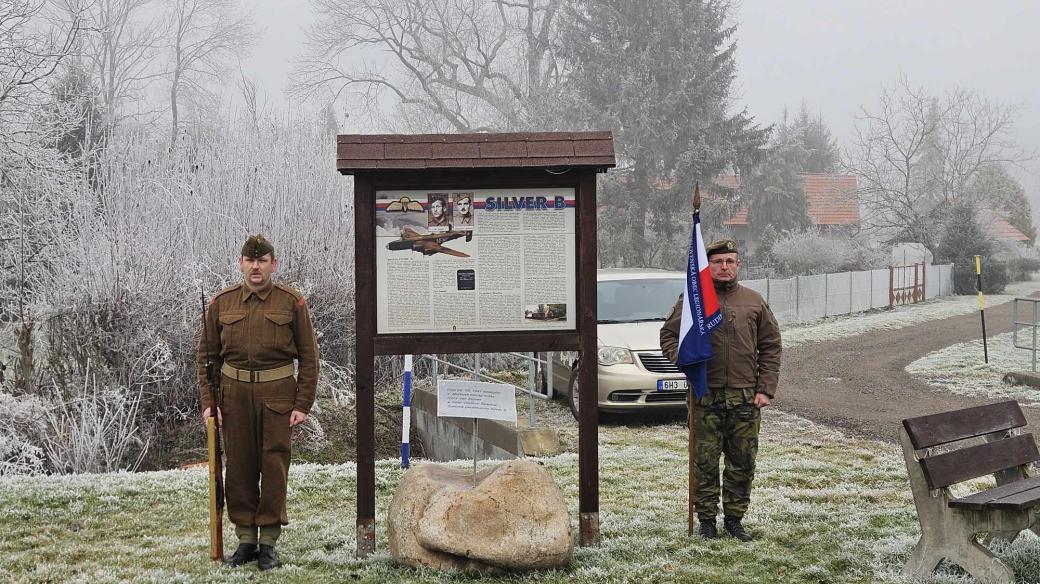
(727, 422)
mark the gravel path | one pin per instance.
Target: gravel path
(859, 383)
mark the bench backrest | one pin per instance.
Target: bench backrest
(949, 468)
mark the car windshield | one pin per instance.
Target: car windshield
(637, 300)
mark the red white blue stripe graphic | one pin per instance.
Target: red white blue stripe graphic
(700, 315)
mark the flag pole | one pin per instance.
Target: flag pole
(691, 421)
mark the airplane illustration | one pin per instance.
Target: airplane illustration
(429, 244)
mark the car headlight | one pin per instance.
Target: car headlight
(614, 355)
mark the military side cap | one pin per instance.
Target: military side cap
(256, 246)
(721, 246)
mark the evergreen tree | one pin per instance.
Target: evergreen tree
(994, 188)
(775, 189)
(658, 74)
(821, 149)
(961, 240)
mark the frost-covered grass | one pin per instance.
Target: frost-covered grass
(840, 327)
(961, 369)
(826, 508)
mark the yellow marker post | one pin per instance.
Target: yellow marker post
(982, 306)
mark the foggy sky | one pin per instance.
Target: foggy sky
(835, 55)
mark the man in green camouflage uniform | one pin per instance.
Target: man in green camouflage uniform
(742, 379)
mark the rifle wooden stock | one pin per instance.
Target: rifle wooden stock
(216, 496)
(216, 472)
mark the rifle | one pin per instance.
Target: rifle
(216, 474)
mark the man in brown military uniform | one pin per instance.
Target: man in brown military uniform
(742, 378)
(254, 330)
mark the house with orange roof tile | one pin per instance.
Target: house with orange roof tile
(832, 206)
(1010, 240)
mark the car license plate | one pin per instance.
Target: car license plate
(671, 385)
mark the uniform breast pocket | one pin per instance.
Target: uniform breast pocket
(231, 325)
(279, 329)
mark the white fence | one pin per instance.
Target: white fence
(804, 298)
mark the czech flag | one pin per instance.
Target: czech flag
(700, 315)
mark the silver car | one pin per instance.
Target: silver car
(633, 374)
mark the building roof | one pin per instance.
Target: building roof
(363, 152)
(999, 228)
(829, 196)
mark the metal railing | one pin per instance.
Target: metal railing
(1030, 305)
(531, 390)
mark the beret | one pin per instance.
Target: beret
(721, 246)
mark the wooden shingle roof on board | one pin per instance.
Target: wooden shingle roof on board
(364, 152)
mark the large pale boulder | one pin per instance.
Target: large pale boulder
(514, 517)
(511, 516)
(406, 510)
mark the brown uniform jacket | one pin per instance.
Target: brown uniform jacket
(747, 346)
(261, 330)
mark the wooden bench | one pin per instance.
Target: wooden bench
(950, 525)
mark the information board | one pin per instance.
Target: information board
(475, 260)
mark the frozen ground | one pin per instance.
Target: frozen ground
(961, 369)
(902, 316)
(827, 508)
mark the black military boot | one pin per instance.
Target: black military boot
(245, 553)
(734, 528)
(267, 558)
(708, 530)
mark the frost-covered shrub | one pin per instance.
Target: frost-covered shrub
(863, 257)
(159, 232)
(994, 277)
(808, 252)
(1021, 269)
(22, 426)
(96, 428)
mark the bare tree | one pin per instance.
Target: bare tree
(207, 34)
(119, 50)
(34, 42)
(916, 154)
(473, 65)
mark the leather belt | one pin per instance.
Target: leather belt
(249, 376)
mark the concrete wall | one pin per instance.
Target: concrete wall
(805, 298)
(451, 438)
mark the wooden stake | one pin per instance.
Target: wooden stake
(691, 445)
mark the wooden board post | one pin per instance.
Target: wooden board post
(469, 163)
